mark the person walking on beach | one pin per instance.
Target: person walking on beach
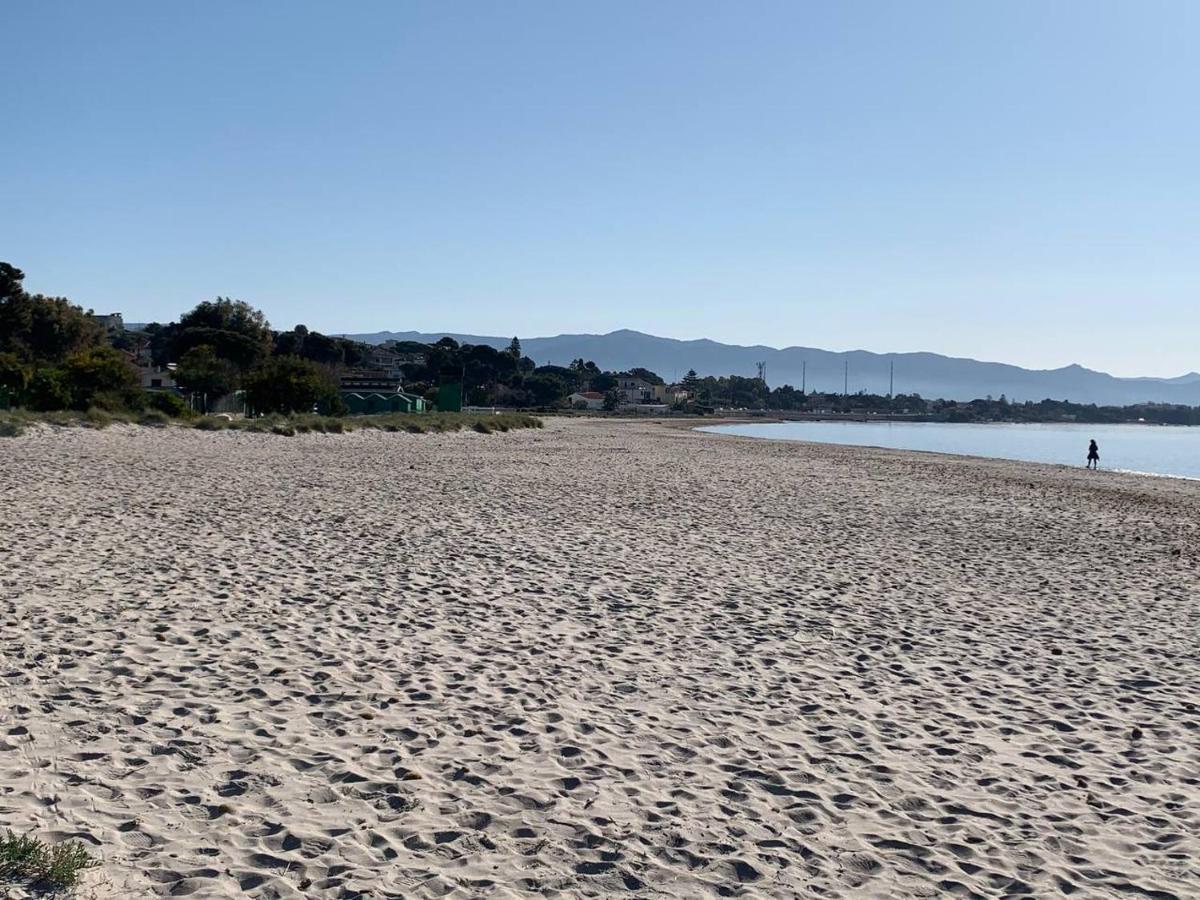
(1093, 460)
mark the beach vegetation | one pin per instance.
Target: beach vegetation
(234, 330)
(95, 417)
(117, 402)
(202, 372)
(41, 330)
(14, 375)
(169, 403)
(53, 865)
(291, 384)
(102, 371)
(48, 390)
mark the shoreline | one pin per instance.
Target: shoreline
(942, 453)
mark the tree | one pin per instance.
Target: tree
(41, 330)
(289, 343)
(322, 349)
(569, 377)
(546, 389)
(604, 382)
(14, 376)
(11, 281)
(234, 329)
(289, 384)
(310, 345)
(691, 381)
(102, 374)
(485, 366)
(48, 389)
(201, 371)
(646, 375)
(514, 349)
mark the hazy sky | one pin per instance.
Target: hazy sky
(1017, 181)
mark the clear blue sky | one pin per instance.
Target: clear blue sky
(1016, 181)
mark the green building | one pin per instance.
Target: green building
(450, 397)
(373, 403)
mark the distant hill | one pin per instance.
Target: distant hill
(927, 374)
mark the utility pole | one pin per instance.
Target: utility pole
(846, 387)
(892, 380)
(804, 377)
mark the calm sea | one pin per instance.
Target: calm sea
(1149, 449)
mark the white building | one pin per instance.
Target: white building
(157, 378)
(588, 399)
(633, 391)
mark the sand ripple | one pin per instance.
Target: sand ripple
(601, 660)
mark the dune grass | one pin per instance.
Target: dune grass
(13, 423)
(420, 423)
(55, 865)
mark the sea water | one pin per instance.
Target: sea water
(1148, 449)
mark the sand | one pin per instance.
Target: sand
(604, 659)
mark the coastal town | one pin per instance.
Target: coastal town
(223, 358)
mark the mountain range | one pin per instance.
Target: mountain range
(928, 374)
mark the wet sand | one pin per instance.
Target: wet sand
(604, 659)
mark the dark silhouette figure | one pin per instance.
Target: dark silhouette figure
(1093, 461)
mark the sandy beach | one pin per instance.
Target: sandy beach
(602, 659)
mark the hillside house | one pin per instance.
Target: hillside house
(634, 390)
(365, 381)
(637, 391)
(391, 361)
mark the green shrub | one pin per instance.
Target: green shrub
(57, 865)
(482, 427)
(11, 428)
(116, 401)
(155, 418)
(97, 418)
(168, 403)
(210, 423)
(49, 390)
(289, 384)
(283, 429)
(64, 862)
(104, 377)
(14, 376)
